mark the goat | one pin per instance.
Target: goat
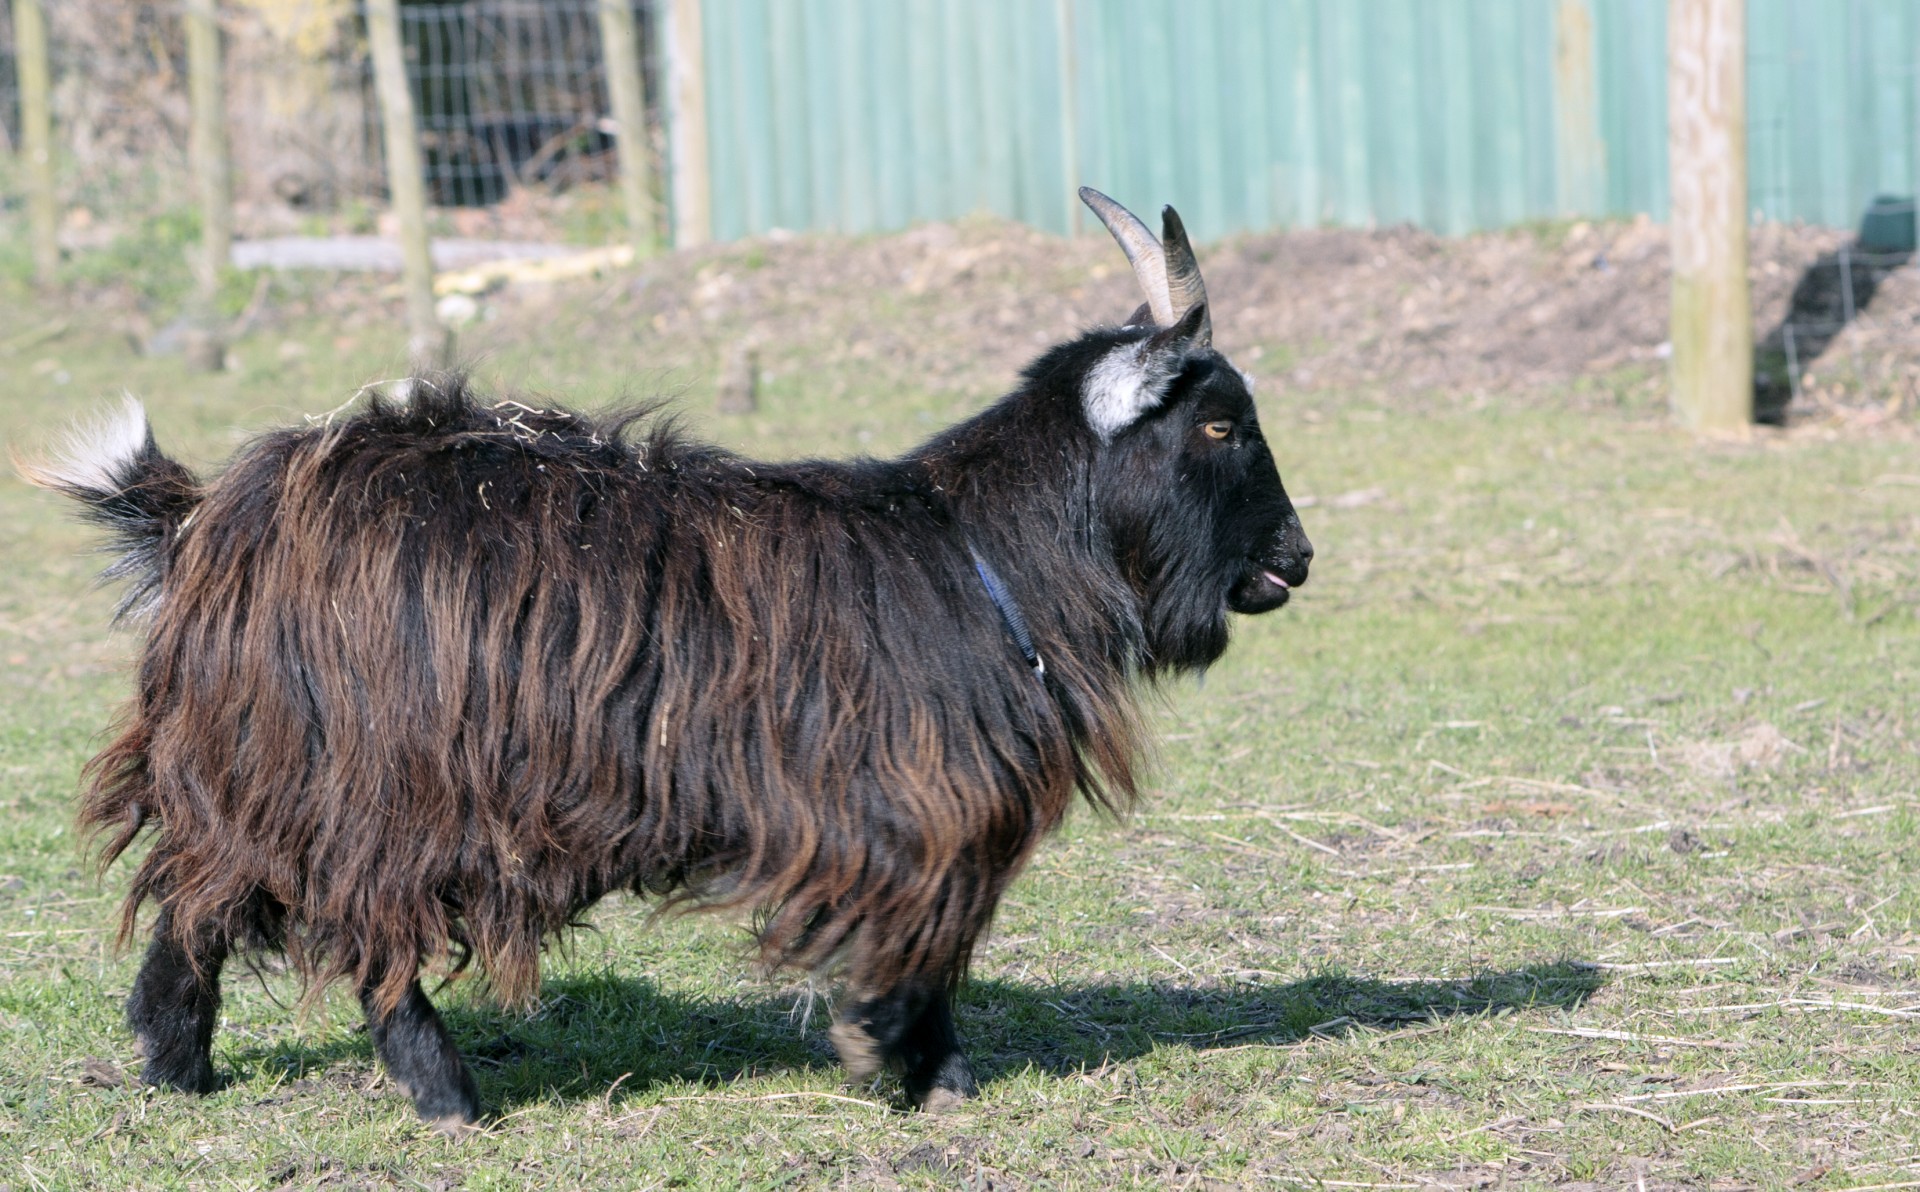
(428, 680)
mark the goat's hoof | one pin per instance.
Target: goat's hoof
(455, 1127)
(943, 1101)
(454, 1115)
(196, 1077)
(946, 1088)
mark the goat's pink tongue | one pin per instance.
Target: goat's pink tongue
(1276, 580)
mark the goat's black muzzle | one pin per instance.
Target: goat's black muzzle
(1270, 576)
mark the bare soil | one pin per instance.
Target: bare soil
(1384, 313)
(1388, 315)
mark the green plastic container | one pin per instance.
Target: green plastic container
(1888, 225)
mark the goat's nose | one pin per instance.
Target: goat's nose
(1305, 551)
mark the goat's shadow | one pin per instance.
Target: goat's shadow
(607, 1036)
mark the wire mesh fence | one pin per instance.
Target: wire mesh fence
(512, 93)
(511, 98)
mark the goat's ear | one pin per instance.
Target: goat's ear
(1141, 317)
(1133, 378)
(1181, 334)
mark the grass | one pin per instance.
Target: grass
(1559, 833)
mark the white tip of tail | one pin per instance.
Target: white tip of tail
(94, 455)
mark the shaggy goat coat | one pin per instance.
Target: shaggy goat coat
(427, 681)
(453, 671)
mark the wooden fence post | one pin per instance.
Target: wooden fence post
(1581, 156)
(36, 136)
(427, 341)
(620, 50)
(687, 130)
(212, 178)
(1712, 316)
(1069, 113)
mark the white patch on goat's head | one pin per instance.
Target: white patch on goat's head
(1128, 381)
(92, 455)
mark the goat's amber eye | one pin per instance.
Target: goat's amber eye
(1218, 430)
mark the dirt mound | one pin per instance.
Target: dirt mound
(1393, 311)
(1393, 314)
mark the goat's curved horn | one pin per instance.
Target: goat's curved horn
(1185, 290)
(1143, 252)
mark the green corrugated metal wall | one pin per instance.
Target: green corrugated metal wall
(860, 115)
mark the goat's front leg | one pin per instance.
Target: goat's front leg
(934, 1070)
(420, 1056)
(909, 1030)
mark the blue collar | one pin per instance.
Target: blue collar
(1009, 612)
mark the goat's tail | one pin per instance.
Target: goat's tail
(143, 499)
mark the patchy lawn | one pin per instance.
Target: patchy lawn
(1559, 833)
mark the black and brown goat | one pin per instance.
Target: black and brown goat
(443, 673)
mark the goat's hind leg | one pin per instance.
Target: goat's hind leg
(174, 1005)
(910, 1031)
(420, 1056)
